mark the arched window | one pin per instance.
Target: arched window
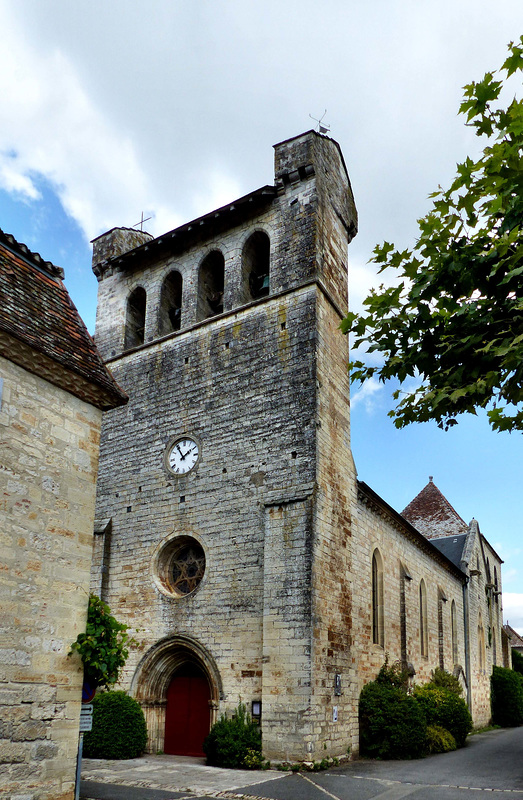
(423, 620)
(135, 318)
(481, 644)
(377, 599)
(210, 285)
(496, 586)
(256, 257)
(454, 627)
(441, 640)
(170, 304)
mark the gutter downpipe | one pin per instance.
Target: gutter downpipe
(466, 625)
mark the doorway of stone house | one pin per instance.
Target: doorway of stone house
(187, 715)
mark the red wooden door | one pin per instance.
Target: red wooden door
(187, 716)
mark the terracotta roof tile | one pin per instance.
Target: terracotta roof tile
(432, 514)
(37, 316)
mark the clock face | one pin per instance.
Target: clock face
(183, 455)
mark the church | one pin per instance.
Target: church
(232, 533)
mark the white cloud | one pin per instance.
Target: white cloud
(369, 395)
(513, 610)
(49, 126)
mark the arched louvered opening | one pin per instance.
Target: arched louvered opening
(211, 281)
(135, 318)
(256, 258)
(170, 304)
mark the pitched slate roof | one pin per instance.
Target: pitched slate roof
(431, 513)
(451, 546)
(41, 330)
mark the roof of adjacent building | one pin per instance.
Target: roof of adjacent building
(432, 514)
(41, 330)
(516, 641)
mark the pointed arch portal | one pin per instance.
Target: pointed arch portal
(178, 685)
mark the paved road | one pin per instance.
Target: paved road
(490, 763)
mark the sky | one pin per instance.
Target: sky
(170, 108)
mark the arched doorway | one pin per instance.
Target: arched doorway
(187, 714)
(178, 685)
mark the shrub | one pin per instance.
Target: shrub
(517, 661)
(445, 680)
(394, 675)
(392, 724)
(233, 742)
(119, 729)
(506, 697)
(443, 707)
(439, 740)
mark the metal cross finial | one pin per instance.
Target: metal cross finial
(141, 222)
(322, 127)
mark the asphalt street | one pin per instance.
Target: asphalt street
(490, 763)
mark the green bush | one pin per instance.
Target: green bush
(517, 661)
(233, 742)
(445, 680)
(392, 724)
(119, 729)
(506, 697)
(439, 740)
(441, 706)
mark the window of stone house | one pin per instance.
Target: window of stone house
(256, 257)
(211, 281)
(454, 633)
(378, 636)
(170, 304)
(496, 586)
(423, 620)
(135, 318)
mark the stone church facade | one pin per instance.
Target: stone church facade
(232, 533)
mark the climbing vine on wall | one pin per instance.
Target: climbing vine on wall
(103, 647)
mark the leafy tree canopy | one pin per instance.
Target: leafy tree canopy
(454, 321)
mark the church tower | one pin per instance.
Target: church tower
(226, 484)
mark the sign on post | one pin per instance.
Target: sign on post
(86, 718)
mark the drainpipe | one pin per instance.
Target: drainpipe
(466, 625)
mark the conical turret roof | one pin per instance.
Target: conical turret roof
(432, 515)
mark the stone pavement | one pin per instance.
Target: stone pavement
(177, 774)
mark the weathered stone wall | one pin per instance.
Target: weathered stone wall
(264, 390)
(49, 441)
(485, 620)
(374, 529)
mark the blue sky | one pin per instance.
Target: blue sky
(111, 109)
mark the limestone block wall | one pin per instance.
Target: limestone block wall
(486, 617)
(373, 530)
(335, 712)
(243, 385)
(49, 441)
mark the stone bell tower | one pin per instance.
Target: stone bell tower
(226, 484)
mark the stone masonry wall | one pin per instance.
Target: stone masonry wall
(49, 441)
(256, 429)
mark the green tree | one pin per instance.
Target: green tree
(454, 321)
